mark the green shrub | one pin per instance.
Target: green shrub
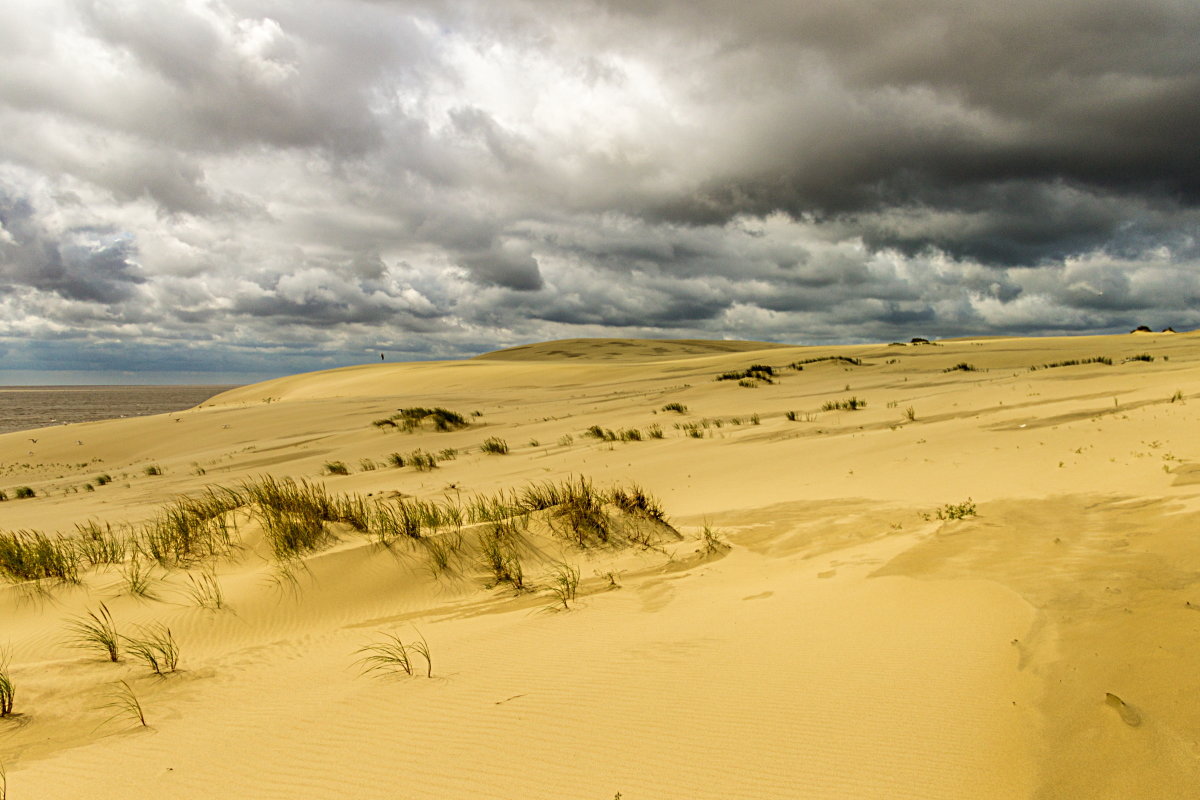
(24, 492)
(849, 404)
(957, 510)
(961, 366)
(153, 469)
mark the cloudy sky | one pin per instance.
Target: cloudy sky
(231, 189)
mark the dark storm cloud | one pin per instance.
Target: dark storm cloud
(82, 264)
(434, 177)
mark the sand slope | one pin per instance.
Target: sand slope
(848, 642)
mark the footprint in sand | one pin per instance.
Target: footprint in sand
(1129, 714)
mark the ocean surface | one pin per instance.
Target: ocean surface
(25, 407)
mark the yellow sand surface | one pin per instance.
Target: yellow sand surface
(983, 583)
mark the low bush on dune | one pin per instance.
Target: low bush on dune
(24, 492)
(1141, 357)
(748, 376)
(962, 366)
(678, 408)
(336, 468)
(961, 510)
(1074, 362)
(32, 556)
(494, 446)
(412, 419)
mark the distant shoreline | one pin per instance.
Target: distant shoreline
(31, 407)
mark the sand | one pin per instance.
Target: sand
(846, 640)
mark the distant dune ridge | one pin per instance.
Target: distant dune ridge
(658, 569)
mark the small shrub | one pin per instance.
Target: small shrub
(654, 432)
(791, 416)
(755, 419)
(630, 435)
(957, 510)
(101, 480)
(746, 383)
(565, 440)
(1178, 396)
(3, 495)
(153, 469)
(366, 465)
(1141, 357)
(24, 492)
(336, 468)
(910, 414)
(711, 542)
(961, 366)
(395, 460)
(422, 461)
(678, 408)
(494, 446)
(449, 454)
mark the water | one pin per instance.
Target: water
(25, 407)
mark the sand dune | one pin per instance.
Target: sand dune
(982, 583)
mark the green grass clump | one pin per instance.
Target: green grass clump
(957, 510)
(190, 528)
(395, 460)
(564, 583)
(102, 480)
(412, 419)
(156, 647)
(96, 631)
(629, 435)
(153, 469)
(654, 432)
(637, 502)
(8, 691)
(366, 465)
(1141, 357)
(422, 461)
(32, 555)
(962, 366)
(1075, 362)
(749, 376)
(678, 408)
(494, 445)
(24, 492)
(499, 551)
(849, 404)
(336, 468)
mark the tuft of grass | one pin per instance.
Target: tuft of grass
(957, 510)
(137, 576)
(1074, 362)
(654, 432)
(498, 549)
(962, 366)
(678, 408)
(1177, 397)
(205, 591)
(413, 419)
(8, 690)
(422, 461)
(395, 460)
(98, 546)
(366, 465)
(442, 550)
(635, 501)
(711, 542)
(494, 445)
(799, 365)
(336, 468)
(910, 414)
(156, 647)
(849, 404)
(1141, 357)
(32, 555)
(102, 480)
(124, 703)
(564, 583)
(96, 631)
(152, 470)
(565, 440)
(394, 655)
(24, 492)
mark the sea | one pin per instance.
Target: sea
(25, 407)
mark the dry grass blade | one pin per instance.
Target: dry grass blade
(205, 591)
(422, 649)
(564, 583)
(124, 703)
(96, 632)
(7, 690)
